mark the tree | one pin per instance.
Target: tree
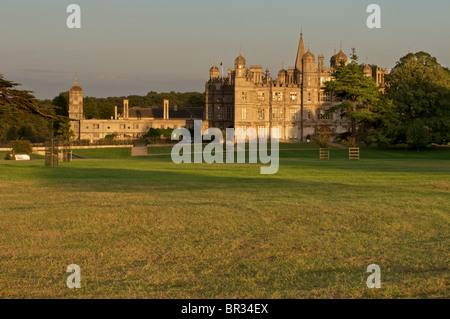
(353, 56)
(417, 135)
(11, 98)
(64, 131)
(420, 89)
(61, 103)
(361, 100)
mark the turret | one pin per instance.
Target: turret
(368, 70)
(239, 65)
(76, 102)
(214, 71)
(282, 74)
(309, 62)
(336, 59)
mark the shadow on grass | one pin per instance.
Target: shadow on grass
(90, 179)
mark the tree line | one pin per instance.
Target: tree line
(413, 107)
(24, 123)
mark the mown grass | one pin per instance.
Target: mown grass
(147, 228)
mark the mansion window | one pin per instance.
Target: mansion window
(220, 113)
(135, 126)
(261, 96)
(277, 114)
(122, 126)
(309, 96)
(277, 96)
(244, 114)
(210, 113)
(228, 113)
(309, 115)
(260, 114)
(228, 99)
(293, 96)
(293, 115)
(325, 96)
(244, 96)
(324, 116)
(262, 132)
(95, 126)
(293, 132)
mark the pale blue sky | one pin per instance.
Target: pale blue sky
(136, 46)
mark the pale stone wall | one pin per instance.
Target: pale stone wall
(257, 101)
(125, 128)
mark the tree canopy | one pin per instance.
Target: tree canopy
(362, 102)
(12, 98)
(420, 89)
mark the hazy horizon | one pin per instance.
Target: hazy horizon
(126, 48)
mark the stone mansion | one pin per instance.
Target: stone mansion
(251, 98)
(132, 122)
(293, 104)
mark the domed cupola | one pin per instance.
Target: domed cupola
(368, 70)
(239, 65)
(240, 62)
(76, 87)
(341, 57)
(214, 71)
(309, 61)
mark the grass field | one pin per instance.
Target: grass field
(147, 228)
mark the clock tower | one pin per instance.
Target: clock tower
(76, 102)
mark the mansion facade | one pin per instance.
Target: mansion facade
(132, 122)
(248, 97)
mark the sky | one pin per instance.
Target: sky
(136, 46)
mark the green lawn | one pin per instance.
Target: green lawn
(147, 228)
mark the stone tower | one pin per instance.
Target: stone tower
(239, 65)
(76, 102)
(214, 72)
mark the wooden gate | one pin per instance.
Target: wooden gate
(353, 153)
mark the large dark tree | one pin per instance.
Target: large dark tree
(420, 89)
(361, 100)
(22, 116)
(12, 98)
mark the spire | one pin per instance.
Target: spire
(76, 80)
(300, 53)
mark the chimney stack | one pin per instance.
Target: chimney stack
(125, 109)
(166, 109)
(115, 112)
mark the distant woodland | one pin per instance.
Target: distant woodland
(103, 108)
